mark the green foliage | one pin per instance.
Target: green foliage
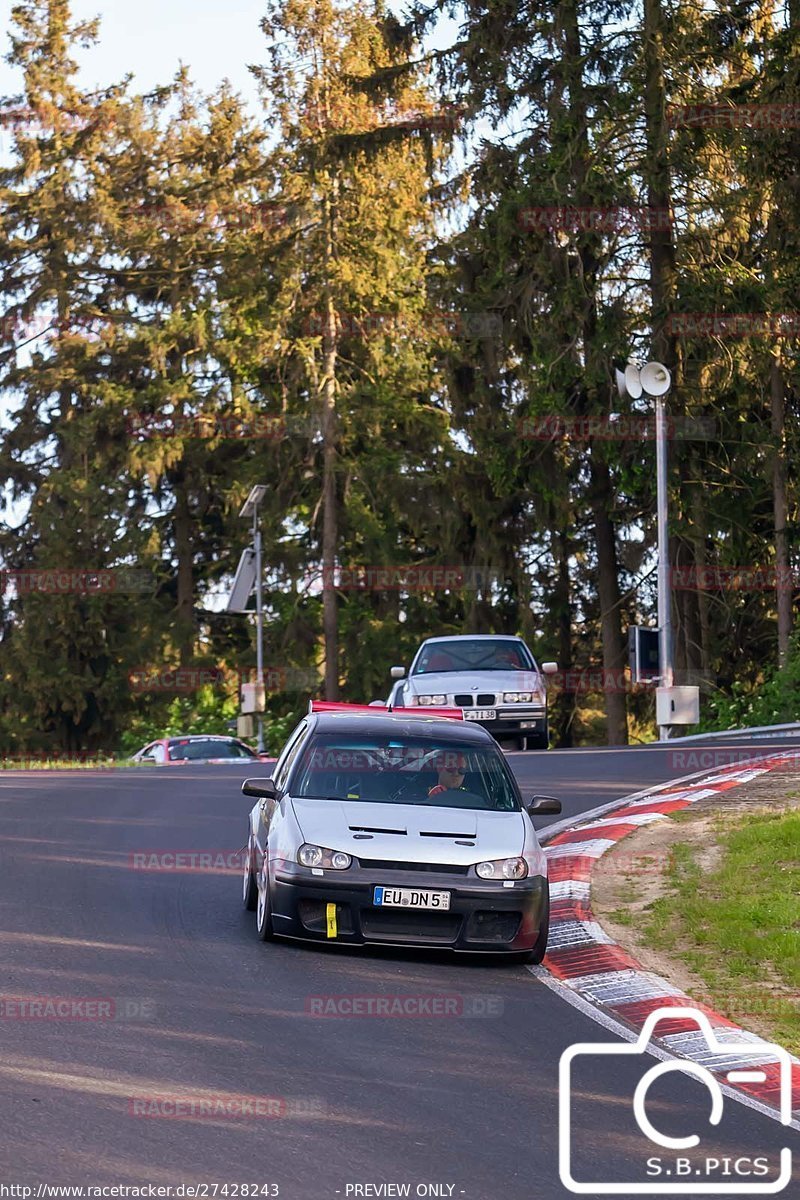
(773, 700)
(207, 711)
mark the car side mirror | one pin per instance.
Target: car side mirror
(549, 668)
(539, 806)
(262, 789)
(398, 673)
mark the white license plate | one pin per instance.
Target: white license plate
(480, 714)
(391, 897)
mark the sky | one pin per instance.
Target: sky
(215, 38)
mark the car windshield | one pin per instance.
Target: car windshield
(389, 770)
(473, 654)
(194, 748)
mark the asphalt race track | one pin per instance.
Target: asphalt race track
(194, 1004)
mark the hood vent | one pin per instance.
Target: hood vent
(427, 833)
(369, 829)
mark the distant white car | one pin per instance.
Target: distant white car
(495, 679)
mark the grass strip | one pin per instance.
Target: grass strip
(737, 925)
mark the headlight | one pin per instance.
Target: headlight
(318, 856)
(503, 868)
(431, 699)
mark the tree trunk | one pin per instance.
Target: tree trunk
(184, 624)
(330, 524)
(779, 508)
(564, 709)
(614, 649)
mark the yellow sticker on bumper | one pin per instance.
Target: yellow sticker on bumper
(331, 911)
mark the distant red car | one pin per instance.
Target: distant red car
(201, 747)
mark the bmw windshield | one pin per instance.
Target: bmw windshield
(423, 771)
(463, 654)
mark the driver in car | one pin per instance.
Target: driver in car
(451, 774)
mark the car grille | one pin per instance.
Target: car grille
(487, 698)
(380, 864)
(420, 926)
(463, 700)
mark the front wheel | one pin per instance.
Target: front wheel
(264, 926)
(540, 949)
(249, 889)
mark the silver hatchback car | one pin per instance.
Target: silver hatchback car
(399, 829)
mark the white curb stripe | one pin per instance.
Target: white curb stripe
(577, 933)
(668, 798)
(570, 889)
(738, 776)
(622, 987)
(633, 819)
(693, 1045)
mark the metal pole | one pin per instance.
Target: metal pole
(259, 626)
(664, 598)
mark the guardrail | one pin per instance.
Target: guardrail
(763, 730)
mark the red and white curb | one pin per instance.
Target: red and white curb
(610, 982)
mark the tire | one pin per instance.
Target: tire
(264, 927)
(540, 949)
(249, 889)
(542, 742)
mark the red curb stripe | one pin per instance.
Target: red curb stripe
(592, 959)
(605, 832)
(578, 868)
(665, 807)
(637, 1012)
(769, 1092)
(570, 910)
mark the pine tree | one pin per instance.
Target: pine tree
(67, 653)
(350, 312)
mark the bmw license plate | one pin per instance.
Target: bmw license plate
(391, 897)
(480, 714)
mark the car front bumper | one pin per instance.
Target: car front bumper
(482, 916)
(516, 719)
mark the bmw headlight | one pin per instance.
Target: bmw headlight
(502, 868)
(318, 856)
(432, 699)
(518, 697)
